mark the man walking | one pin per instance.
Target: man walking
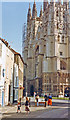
(45, 97)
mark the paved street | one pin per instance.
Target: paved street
(57, 110)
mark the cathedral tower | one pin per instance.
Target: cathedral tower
(34, 11)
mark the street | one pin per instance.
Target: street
(57, 110)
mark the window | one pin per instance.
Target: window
(0, 72)
(58, 38)
(63, 39)
(16, 82)
(61, 53)
(55, 88)
(16, 94)
(57, 13)
(0, 49)
(62, 65)
(57, 26)
(49, 80)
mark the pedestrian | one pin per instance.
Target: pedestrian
(29, 102)
(49, 100)
(45, 97)
(37, 99)
(34, 94)
(20, 102)
(27, 105)
(18, 106)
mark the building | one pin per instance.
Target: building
(6, 72)
(11, 74)
(46, 48)
(18, 76)
(2, 70)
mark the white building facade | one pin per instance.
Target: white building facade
(6, 73)
(2, 71)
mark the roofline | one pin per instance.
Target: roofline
(12, 50)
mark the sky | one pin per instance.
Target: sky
(14, 15)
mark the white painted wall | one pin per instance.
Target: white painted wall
(2, 64)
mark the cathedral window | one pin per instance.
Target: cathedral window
(61, 53)
(49, 80)
(57, 26)
(62, 65)
(55, 87)
(63, 39)
(58, 37)
(63, 14)
(57, 13)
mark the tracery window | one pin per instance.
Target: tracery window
(58, 37)
(57, 13)
(62, 38)
(62, 65)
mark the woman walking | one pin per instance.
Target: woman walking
(18, 107)
(27, 105)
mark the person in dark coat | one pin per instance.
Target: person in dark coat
(27, 105)
(29, 102)
(37, 99)
(45, 97)
(18, 107)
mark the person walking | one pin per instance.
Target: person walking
(18, 107)
(27, 105)
(20, 102)
(37, 99)
(45, 97)
(49, 100)
(29, 102)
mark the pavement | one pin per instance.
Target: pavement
(57, 111)
(63, 105)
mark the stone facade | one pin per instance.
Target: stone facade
(46, 48)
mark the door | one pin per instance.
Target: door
(9, 92)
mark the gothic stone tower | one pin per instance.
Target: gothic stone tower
(48, 47)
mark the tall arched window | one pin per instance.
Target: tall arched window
(57, 13)
(62, 65)
(58, 38)
(63, 38)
